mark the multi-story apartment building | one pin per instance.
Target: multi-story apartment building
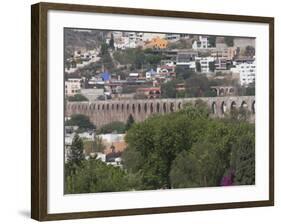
(169, 36)
(172, 37)
(227, 53)
(221, 64)
(186, 59)
(135, 36)
(72, 86)
(204, 63)
(247, 73)
(124, 40)
(201, 43)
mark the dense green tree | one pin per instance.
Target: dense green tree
(128, 56)
(77, 97)
(212, 41)
(198, 66)
(131, 160)
(168, 90)
(183, 73)
(107, 62)
(98, 145)
(104, 49)
(212, 66)
(185, 171)
(116, 126)
(229, 41)
(130, 122)
(210, 158)
(75, 158)
(198, 167)
(139, 60)
(183, 149)
(156, 142)
(243, 159)
(111, 42)
(152, 59)
(148, 51)
(250, 51)
(251, 91)
(82, 121)
(95, 176)
(76, 155)
(198, 86)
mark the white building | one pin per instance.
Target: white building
(139, 36)
(112, 137)
(202, 43)
(68, 138)
(204, 63)
(72, 86)
(172, 37)
(247, 72)
(220, 64)
(186, 59)
(117, 162)
(87, 135)
(131, 40)
(81, 60)
(150, 74)
(121, 43)
(134, 75)
(135, 39)
(98, 155)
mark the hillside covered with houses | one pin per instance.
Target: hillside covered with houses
(137, 65)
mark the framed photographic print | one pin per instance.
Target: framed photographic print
(139, 111)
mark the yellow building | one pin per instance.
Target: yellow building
(157, 43)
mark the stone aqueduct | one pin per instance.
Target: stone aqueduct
(104, 112)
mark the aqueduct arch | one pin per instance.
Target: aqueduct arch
(224, 90)
(103, 112)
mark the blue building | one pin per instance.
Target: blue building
(105, 76)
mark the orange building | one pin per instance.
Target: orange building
(157, 43)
